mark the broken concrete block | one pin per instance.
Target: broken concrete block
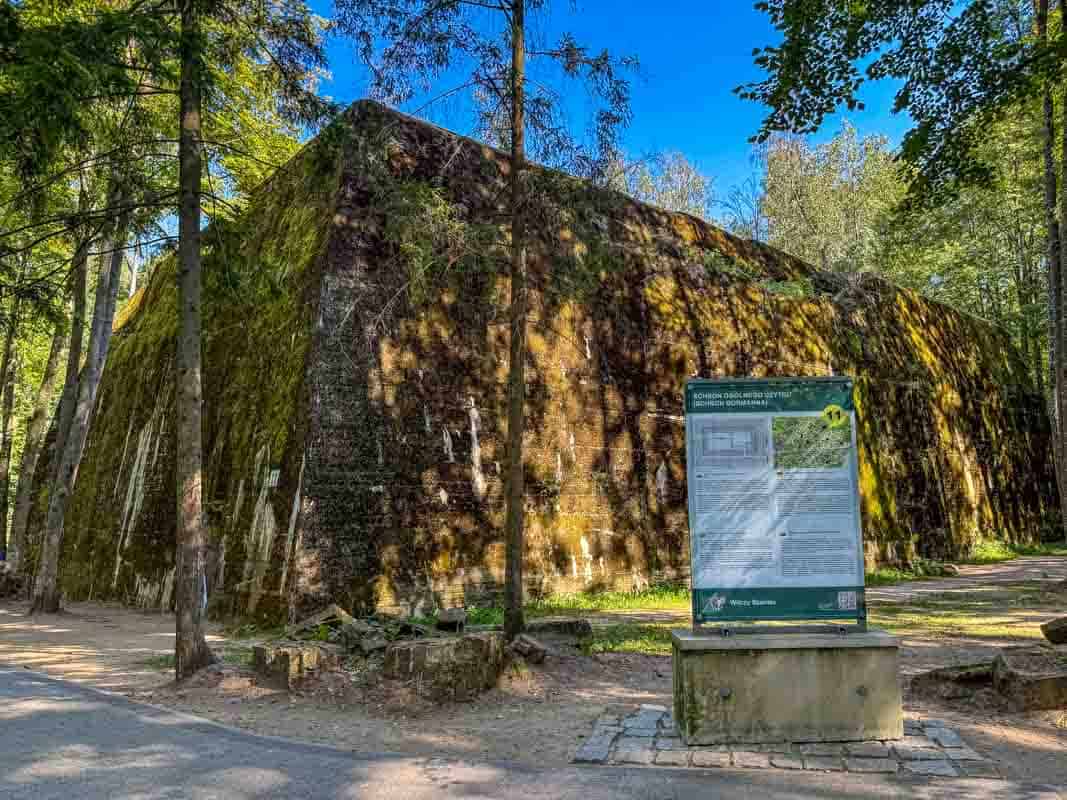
(1032, 678)
(1056, 630)
(957, 682)
(452, 619)
(284, 665)
(333, 613)
(372, 644)
(448, 668)
(352, 634)
(529, 648)
(277, 666)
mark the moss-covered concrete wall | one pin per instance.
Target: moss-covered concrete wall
(356, 360)
(261, 277)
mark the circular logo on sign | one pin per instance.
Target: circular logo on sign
(835, 416)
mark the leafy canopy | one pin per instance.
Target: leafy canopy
(961, 64)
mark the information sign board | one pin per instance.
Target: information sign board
(774, 517)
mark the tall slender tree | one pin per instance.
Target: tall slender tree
(46, 590)
(424, 40)
(190, 649)
(36, 429)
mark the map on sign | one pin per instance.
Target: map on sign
(774, 514)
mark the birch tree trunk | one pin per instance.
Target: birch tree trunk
(46, 591)
(7, 368)
(516, 490)
(5, 449)
(69, 396)
(36, 430)
(191, 651)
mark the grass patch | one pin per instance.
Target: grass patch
(630, 638)
(238, 656)
(663, 597)
(161, 663)
(656, 598)
(993, 551)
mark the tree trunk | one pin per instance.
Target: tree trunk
(1057, 371)
(46, 592)
(5, 449)
(36, 430)
(516, 490)
(7, 369)
(74, 354)
(190, 647)
(1060, 391)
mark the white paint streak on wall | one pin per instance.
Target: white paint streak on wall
(220, 574)
(588, 348)
(638, 580)
(426, 419)
(159, 438)
(574, 566)
(293, 515)
(446, 438)
(559, 467)
(168, 589)
(131, 508)
(443, 495)
(259, 477)
(587, 557)
(238, 503)
(661, 482)
(477, 478)
(574, 449)
(122, 463)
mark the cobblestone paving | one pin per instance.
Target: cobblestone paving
(646, 735)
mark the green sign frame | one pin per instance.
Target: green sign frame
(773, 494)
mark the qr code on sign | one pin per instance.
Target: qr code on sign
(846, 601)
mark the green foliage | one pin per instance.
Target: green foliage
(824, 202)
(989, 550)
(430, 236)
(959, 65)
(58, 62)
(720, 264)
(667, 180)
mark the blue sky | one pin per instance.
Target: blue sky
(692, 53)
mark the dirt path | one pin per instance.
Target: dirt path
(976, 576)
(106, 646)
(538, 716)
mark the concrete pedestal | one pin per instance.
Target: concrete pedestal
(796, 687)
